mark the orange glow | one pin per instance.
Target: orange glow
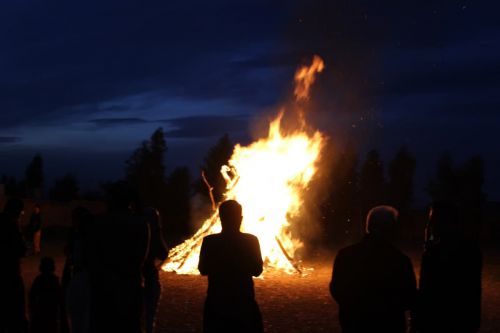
(268, 178)
(305, 77)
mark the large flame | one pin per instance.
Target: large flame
(268, 178)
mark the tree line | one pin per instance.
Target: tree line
(356, 187)
(353, 187)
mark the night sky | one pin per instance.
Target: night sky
(83, 83)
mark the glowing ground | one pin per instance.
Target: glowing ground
(288, 303)
(296, 304)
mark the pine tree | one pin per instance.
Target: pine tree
(145, 170)
(401, 174)
(177, 215)
(372, 185)
(400, 191)
(341, 209)
(65, 189)
(34, 175)
(462, 186)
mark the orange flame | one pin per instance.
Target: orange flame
(305, 77)
(268, 178)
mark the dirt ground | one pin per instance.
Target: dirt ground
(289, 303)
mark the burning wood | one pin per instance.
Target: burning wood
(268, 178)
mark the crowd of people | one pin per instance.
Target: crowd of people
(110, 281)
(374, 283)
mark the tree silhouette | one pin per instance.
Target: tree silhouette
(472, 197)
(177, 218)
(462, 186)
(341, 208)
(372, 185)
(34, 175)
(444, 186)
(216, 157)
(65, 189)
(12, 187)
(401, 173)
(145, 170)
(400, 190)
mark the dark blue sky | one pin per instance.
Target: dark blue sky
(83, 83)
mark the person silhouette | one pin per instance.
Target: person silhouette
(45, 299)
(449, 298)
(12, 248)
(372, 281)
(75, 278)
(35, 229)
(119, 245)
(230, 259)
(157, 253)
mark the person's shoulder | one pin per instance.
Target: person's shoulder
(39, 279)
(54, 280)
(404, 258)
(211, 238)
(350, 249)
(249, 237)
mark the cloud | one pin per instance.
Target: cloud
(67, 55)
(109, 122)
(9, 139)
(206, 126)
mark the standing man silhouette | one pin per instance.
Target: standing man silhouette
(373, 282)
(230, 259)
(35, 227)
(450, 276)
(12, 249)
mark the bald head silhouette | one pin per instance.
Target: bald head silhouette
(381, 221)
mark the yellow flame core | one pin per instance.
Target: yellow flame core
(268, 178)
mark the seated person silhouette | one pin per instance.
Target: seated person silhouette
(230, 259)
(372, 281)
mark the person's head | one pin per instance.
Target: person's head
(36, 209)
(13, 208)
(443, 219)
(47, 265)
(152, 216)
(381, 221)
(230, 214)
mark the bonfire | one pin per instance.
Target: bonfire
(268, 178)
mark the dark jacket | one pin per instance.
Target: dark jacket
(373, 284)
(230, 261)
(118, 248)
(157, 250)
(12, 246)
(450, 288)
(44, 301)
